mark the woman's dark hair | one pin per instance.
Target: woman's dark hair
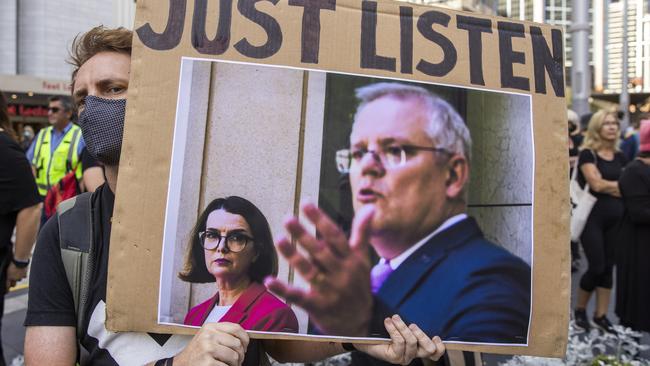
(4, 118)
(266, 264)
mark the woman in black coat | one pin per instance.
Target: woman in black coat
(633, 262)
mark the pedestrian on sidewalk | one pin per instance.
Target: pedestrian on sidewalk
(19, 208)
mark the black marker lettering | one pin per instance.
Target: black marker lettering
(508, 57)
(369, 57)
(406, 39)
(173, 32)
(270, 25)
(475, 27)
(310, 37)
(544, 60)
(425, 24)
(221, 41)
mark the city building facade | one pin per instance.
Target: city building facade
(35, 39)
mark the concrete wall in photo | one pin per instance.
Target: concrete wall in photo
(501, 178)
(248, 144)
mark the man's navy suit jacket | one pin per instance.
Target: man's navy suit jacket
(461, 287)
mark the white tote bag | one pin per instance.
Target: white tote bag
(582, 202)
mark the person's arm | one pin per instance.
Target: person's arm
(93, 178)
(636, 196)
(407, 343)
(596, 181)
(26, 230)
(214, 344)
(30, 153)
(50, 345)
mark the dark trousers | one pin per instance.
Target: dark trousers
(5, 259)
(599, 242)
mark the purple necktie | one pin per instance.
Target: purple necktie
(379, 274)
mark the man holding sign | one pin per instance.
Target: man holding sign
(409, 167)
(100, 85)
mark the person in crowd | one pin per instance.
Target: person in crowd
(27, 137)
(600, 164)
(574, 139)
(633, 265)
(408, 164)
(630, 138)
(19, 210)
(57, 148)
(49, 157)
(100, 81)
(574, 132)
(231, 244)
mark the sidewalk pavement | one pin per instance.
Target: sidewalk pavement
(13, 332)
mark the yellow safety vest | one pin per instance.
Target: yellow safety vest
(51, 167)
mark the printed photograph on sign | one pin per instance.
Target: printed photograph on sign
(318, 203)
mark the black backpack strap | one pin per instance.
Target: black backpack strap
(77, 247)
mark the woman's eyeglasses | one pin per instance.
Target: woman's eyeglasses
(235, 242)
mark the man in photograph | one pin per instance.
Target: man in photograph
(409, 165)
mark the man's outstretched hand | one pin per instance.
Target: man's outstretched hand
(339, 300)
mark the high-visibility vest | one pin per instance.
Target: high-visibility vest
(52, 166)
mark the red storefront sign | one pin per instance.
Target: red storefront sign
(20, 110)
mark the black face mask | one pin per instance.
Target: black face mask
(102, 126)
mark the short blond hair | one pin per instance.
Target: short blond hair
(592, 140)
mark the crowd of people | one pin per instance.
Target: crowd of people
(616, 166)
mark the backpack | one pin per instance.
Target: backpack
(76, 240)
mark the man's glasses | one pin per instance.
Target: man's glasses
(390, 156)
(53, 109)
(234, 242)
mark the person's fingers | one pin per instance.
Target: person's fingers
(361, 226)
(225, 354)
(410, 341)
(296, 260)
(292, 294)
(319, 251)
(329, 231)
(238, 335)
(440, 348)
(426, 346)
(397, 341)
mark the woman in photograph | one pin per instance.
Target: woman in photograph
(600, 164)
(231, 245)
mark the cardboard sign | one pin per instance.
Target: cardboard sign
(258, 101)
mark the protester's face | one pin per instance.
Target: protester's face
(221, 262)
(610, 128)
(105, 75)
(408, 198)
(56, 115)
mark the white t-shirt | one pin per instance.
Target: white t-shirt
(217, 313)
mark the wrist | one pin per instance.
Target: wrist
(20, 263)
